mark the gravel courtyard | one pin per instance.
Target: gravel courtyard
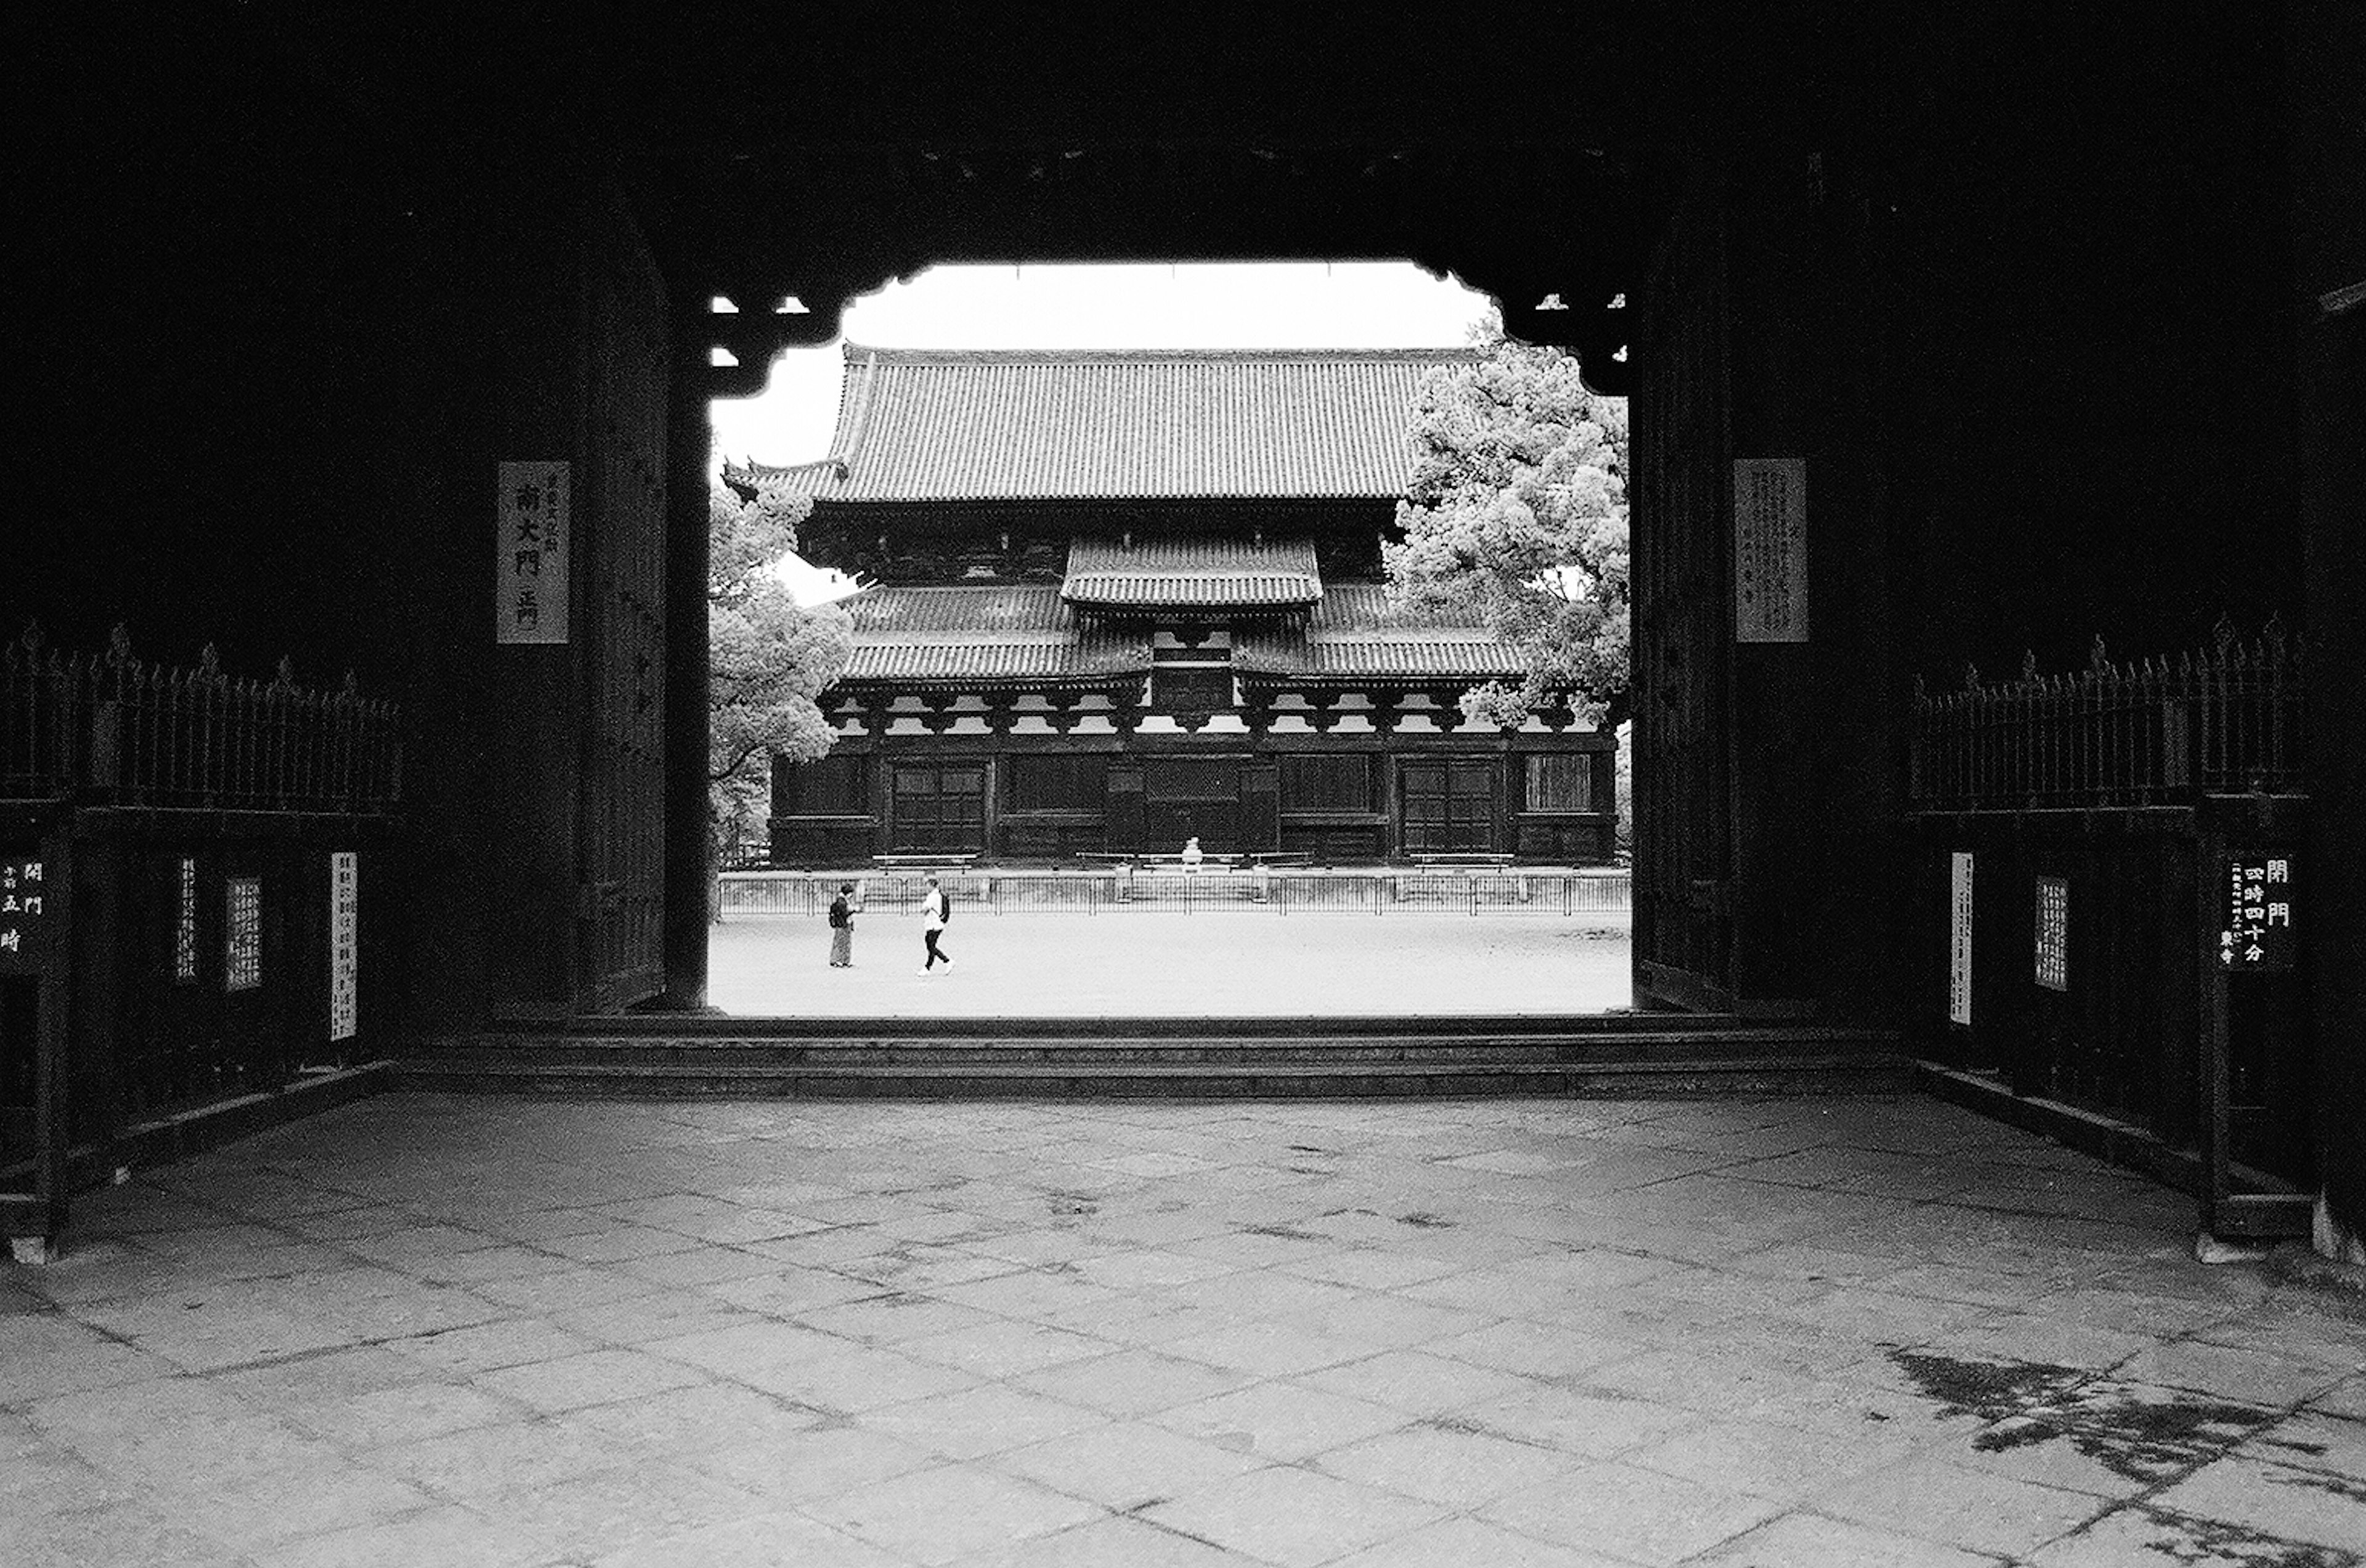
(1154, 963)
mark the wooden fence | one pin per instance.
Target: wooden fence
(201, 845)
(2077, 836)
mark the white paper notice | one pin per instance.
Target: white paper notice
(1769, 549)
(1959, 956)
(344, 945)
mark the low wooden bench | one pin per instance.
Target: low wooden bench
(1470, 858)
(925, 862)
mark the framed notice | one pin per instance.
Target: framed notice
(28, 923)
(1769, 549)
(344, 944)
(1960, 940)
(2053, 934)
(533, 528)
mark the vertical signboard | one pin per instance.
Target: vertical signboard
(1959, 940)
(27, 927)
(344, 944)
(1769, 549)
(533, 527)
(242, 934)
(2053, 934)
(184, 926)
(2256, 936)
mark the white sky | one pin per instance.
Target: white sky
(1183, 305)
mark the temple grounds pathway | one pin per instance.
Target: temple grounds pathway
(510, 1333)
(1159, 962)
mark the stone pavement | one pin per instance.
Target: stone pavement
(427, 1330)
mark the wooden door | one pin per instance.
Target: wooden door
(939, 807)
(1449, 804)
(621, 836)
(1679, 490)
(1193, 798)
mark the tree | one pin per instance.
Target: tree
(770, 658)
(1517, 515)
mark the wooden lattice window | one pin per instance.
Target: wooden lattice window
(1560, 783)
(1341, 782)
(1058, 784)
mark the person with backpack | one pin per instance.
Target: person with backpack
(935, 910)
(842, 928)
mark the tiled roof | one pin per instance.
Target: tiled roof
(1356, 633)
(1007, 607)
(1015, 633)
(1025, 633)
(1192, 574)
(941, 426)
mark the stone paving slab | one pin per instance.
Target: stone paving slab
(428, 1329)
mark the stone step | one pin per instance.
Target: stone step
(1127, 1062)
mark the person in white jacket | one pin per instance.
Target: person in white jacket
(934, 911)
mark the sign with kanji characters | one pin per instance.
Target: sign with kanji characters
(2053, 934)
(184, 927)
(533, 527)
(1960, 940)
(2256, 936)
(1769, 549)
(29, 918)
(243, 934)
(344, 944)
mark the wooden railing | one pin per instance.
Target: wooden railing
(2224, 721)
(109, 729)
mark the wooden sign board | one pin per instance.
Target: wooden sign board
(534, 527)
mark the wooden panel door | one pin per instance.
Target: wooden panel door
(1679, 489)
(1449, 804)
(621, 508)
(939, 807)
(1193, 798)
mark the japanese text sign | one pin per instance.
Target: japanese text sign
(344, 944)
(2053, 934)
(533, 531)
(1769, 549)
(29, 918)
(243, 934)
(2258, 936)
(1959, 939)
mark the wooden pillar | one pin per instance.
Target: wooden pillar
(686, 672)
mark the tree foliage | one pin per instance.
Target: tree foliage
(1517, 515)
(770, 658)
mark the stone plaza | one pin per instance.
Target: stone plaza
(487, 1331)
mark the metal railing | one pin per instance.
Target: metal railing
(1363, 890)
(108, 729)
(2226, 719)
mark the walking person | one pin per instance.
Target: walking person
(935, 910)
(842, 910)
